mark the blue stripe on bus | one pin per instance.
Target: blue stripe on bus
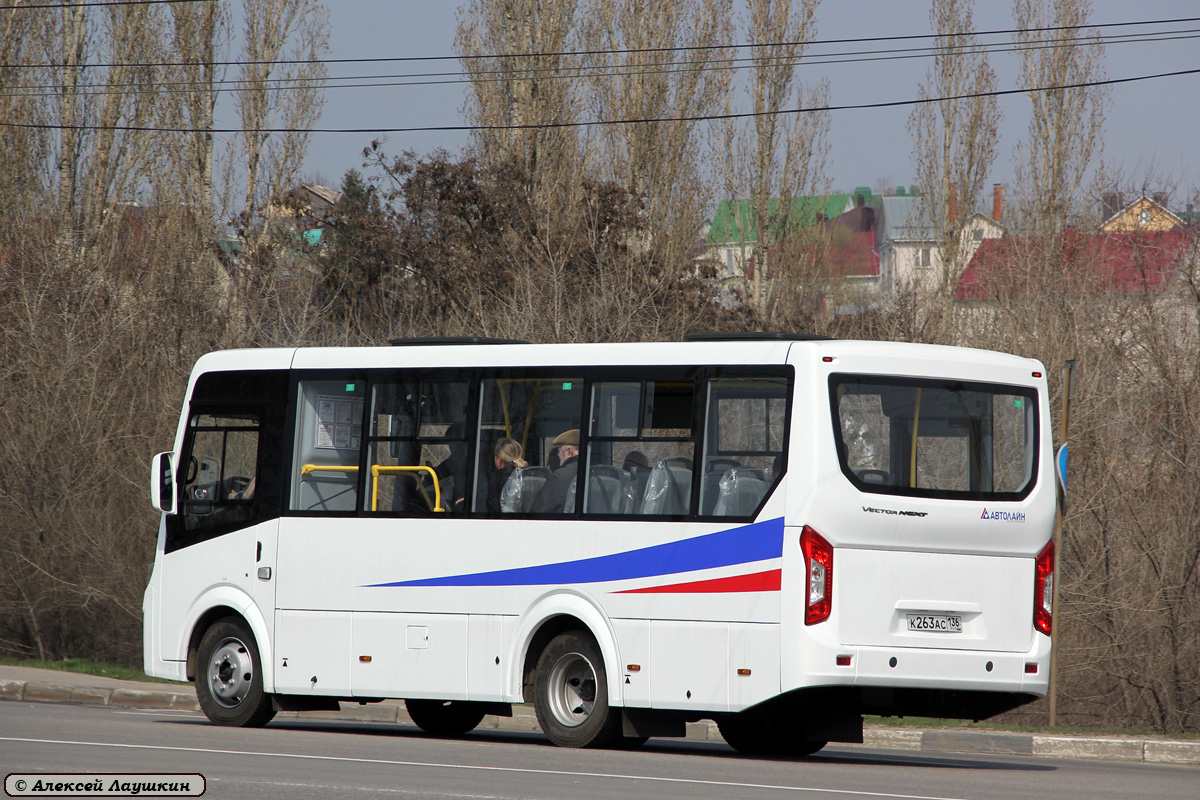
(743, 545)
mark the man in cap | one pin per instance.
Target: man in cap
(554, 494)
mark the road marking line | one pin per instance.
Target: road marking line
(482, 768)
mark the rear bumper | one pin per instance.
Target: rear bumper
(840, 702)
(955, 684)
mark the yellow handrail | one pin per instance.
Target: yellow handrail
(309, 468)
(378, 470)
(912, 468)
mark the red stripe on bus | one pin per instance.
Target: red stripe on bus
(768, 581)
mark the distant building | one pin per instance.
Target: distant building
(733, 235)
(1142, 262)
(1143, 214)
(910, 248)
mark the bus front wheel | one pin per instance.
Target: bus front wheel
(571, 694)
(444, 717)
(229, 682)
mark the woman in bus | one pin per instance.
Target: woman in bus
(507, 456)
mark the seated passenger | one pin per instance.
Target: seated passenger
(636, 458)
(506, 458)
(554, 493)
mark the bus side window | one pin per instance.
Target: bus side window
(640, 456)
(418, 447)
(744, 445)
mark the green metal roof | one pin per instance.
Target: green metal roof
(735, 219)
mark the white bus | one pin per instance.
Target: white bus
(779, 533)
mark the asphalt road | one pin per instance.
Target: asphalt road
(303, 759)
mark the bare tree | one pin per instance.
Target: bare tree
(1066, 125)
(777, 160)
(66, 50)
(280, 77)
(26, 145)
(117, 155)
(657, 61)
(954, 129)
(198, 31)
(524, 81)
(100, 65)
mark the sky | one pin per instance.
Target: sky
(1150, 134)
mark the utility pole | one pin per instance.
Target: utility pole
(1058, 526)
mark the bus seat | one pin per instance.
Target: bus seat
(607, 490)
(874, 476)
(521, 488)
(669, 489)
(569, 500)
(710, 483)
(741, 490)
(638, 476)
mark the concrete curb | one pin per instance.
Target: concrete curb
(1156, 751)
(33, 692)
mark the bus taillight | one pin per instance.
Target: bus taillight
(818, 564)
(1043, 589)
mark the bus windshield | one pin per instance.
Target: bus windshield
(931, 438)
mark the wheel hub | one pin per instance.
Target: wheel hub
(572, 689)
(230, 672)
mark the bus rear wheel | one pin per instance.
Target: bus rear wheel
(229, 682)
(444, 717)
(756, 736)
(571, 694)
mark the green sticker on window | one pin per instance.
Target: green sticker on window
(567, 386)
(1018, 403)
(349, 387)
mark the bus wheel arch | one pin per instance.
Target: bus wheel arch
(221, 602)
(551, 615)
(544, 634)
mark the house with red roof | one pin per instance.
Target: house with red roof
(1142, 262)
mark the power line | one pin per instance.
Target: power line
(615, 51)
(596, 123)
(100, 4)
(588, 72)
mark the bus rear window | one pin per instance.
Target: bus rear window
(935, 438)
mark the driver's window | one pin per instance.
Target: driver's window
(219, 482)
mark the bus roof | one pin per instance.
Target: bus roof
(725, 351)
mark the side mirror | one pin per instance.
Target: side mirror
(162, 482)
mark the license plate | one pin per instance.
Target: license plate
(935, 623)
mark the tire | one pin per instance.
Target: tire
(571, 694)
(444, 717)
(229, 682)
(755, 736)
